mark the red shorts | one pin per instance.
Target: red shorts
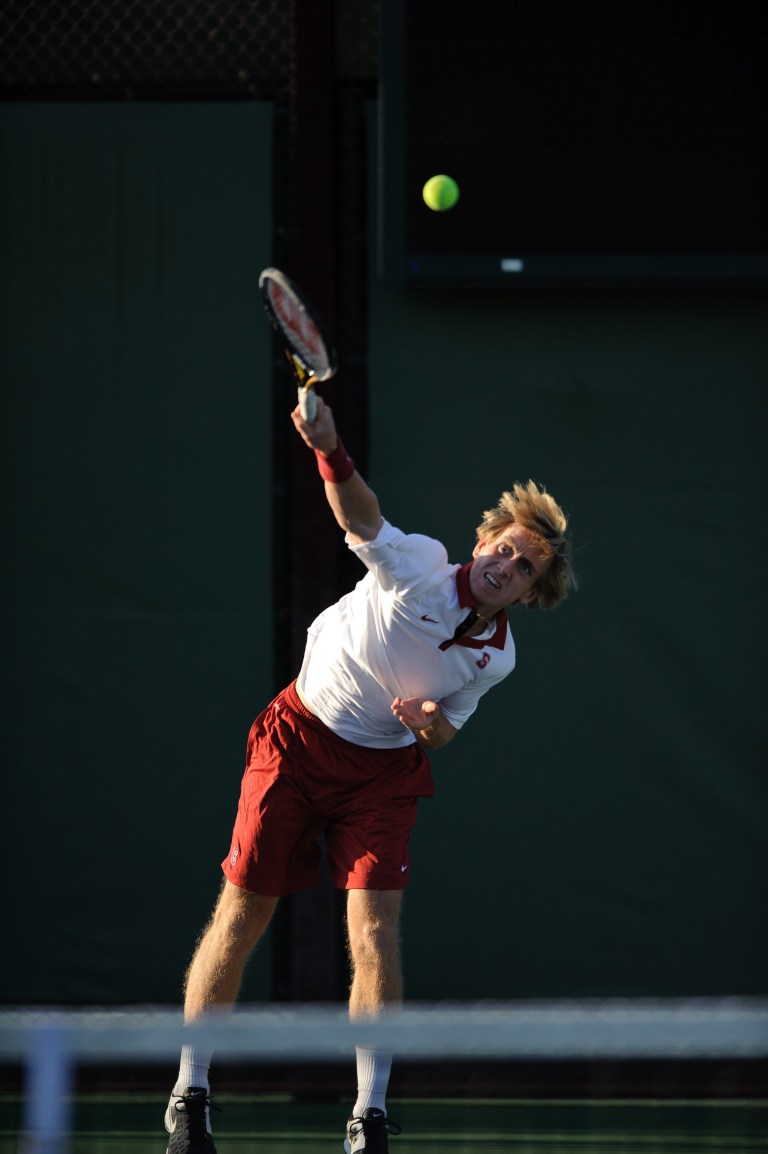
(302, 781)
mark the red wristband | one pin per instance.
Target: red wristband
(337, 466)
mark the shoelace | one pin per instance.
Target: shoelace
(195, 1118)
(356, 1126)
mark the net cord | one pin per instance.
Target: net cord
(688, 1029)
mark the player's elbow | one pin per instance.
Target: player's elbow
(359, 532)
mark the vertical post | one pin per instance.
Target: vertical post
(309, 957)
(48, 1098)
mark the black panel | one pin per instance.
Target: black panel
(588, 140)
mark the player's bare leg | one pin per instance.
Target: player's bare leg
(216, 971)
(373, 929)
(212, 985)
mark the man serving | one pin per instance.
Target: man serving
(392, 670)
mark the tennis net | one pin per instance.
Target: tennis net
(485, 1068)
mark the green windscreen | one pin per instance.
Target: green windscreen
(136, 600)
(599, 825)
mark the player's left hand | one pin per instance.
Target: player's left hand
(416, 712)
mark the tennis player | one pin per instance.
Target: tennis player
(392, 670)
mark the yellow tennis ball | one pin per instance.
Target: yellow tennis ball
(440, 193)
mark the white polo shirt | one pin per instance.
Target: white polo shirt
(391, 636)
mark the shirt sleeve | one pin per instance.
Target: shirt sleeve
(459, 706)
(401, 562)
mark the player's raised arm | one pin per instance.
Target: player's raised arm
(353, 503)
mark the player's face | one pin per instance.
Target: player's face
(506, 569)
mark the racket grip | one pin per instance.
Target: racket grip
(307, 403)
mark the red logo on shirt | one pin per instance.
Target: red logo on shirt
(481, 664)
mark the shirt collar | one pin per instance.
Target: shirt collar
(467, 601)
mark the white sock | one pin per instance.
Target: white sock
(194, 1068)
(373, 1069)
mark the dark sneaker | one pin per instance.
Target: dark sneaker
(369, 1133)
(186, 1120)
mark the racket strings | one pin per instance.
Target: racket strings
(300, 329)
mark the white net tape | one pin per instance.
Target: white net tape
(617, 1029)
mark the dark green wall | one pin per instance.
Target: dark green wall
(600, 824)
(136, 603)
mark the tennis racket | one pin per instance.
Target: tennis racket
(307, 345)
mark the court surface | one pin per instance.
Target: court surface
(132, 1124)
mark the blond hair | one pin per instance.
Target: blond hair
(536, 510)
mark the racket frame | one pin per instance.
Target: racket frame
(307, 369)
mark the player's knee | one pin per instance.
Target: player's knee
(373, 940)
